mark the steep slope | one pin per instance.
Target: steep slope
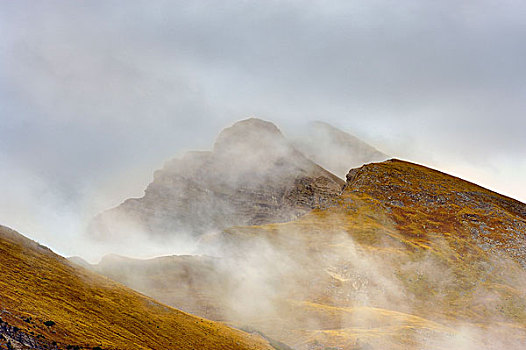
(408, 258)
(47, 303)
(252, 176)
(336, 150)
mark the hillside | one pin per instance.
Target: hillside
(253, 175)
(426, 204)
(407, 258)
(48, 303)
(191, 282)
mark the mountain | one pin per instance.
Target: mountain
(48, 303)
(407, 257)
(334, 149)
(252, 176)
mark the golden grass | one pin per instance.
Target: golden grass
(90, 310)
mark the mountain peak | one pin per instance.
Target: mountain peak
(252, 132)
(255, 124)
(253, 175)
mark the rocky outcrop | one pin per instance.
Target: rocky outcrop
(252, 176)
(14, 338)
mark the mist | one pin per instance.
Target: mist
(312, 287)
(95, 97)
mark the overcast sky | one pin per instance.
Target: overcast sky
(95, 95)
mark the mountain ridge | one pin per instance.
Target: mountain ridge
(400, 238)
(478, 207)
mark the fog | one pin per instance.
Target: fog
(316, 287)
(343, 277)
(95, 96)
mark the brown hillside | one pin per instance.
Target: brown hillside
(427, 204)
(48, 303)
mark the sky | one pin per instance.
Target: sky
(96, 95)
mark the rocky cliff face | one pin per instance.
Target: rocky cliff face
(252, 176)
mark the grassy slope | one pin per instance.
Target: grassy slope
(185, 281)
(426, 203)
(90, 310)
(452, 247)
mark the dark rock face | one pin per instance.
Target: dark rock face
(252, 176)
(14, 338)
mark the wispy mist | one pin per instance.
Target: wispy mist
(314, 287)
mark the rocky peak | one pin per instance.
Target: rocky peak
(253, 175)
(252, 133)
(257, 152)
